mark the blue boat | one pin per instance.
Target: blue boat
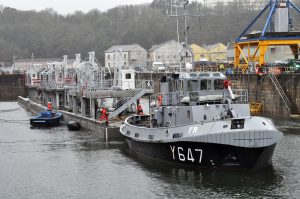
(46, 119)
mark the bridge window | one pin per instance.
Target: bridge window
(205, 85)
(219, 85)
(192, 85)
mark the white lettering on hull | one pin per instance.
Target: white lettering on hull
(185, 155)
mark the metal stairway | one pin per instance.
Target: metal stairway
(287, 100)
(129, 98)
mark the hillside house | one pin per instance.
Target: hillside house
(133, 56)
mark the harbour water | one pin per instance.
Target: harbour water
(56, 163)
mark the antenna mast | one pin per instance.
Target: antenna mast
(184, 4)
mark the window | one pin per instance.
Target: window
(192, 85)
(273, 50)
(108, 64)
(128, 76)
(219, 85)
(189, 115)
(108, 56)
(151, 137)
(237, 124)
(204, 85)
(177, 135)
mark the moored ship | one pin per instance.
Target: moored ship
(199, 120)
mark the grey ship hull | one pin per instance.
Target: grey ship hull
(205, 154)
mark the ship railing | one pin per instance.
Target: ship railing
(104, 84)
(199, 97)
(147, 85)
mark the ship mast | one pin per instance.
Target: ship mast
(184, 52)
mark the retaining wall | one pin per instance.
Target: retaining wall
(12, 86)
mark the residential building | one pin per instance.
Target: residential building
(133, 56)
(26, 64)
(216, 52)
(199, 52)
(170, 54)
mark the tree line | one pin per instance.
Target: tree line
(47, 34)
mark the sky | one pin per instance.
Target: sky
(68, 6)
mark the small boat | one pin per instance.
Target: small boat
(46, 119)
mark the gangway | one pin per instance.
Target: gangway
(126, 101)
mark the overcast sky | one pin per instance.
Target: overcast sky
(68, 6)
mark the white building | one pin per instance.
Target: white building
(133, 56)
(26, 64)
(170, 54)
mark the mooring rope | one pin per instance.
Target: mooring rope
(10, 110)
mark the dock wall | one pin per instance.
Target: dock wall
(12, 86)
(105, 133)
(262, 90)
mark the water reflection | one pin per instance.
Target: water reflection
(219, 182)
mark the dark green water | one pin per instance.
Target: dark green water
(55, 163)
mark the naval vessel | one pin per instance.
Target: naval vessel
(198, 120)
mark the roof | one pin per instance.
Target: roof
(213, 46)
(153, 48)
(38, 60)
(124, 48)
(196, 48)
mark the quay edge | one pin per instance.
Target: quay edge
(106, 133)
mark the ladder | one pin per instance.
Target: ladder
(280, 91)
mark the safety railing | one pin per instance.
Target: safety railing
(200, 97)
